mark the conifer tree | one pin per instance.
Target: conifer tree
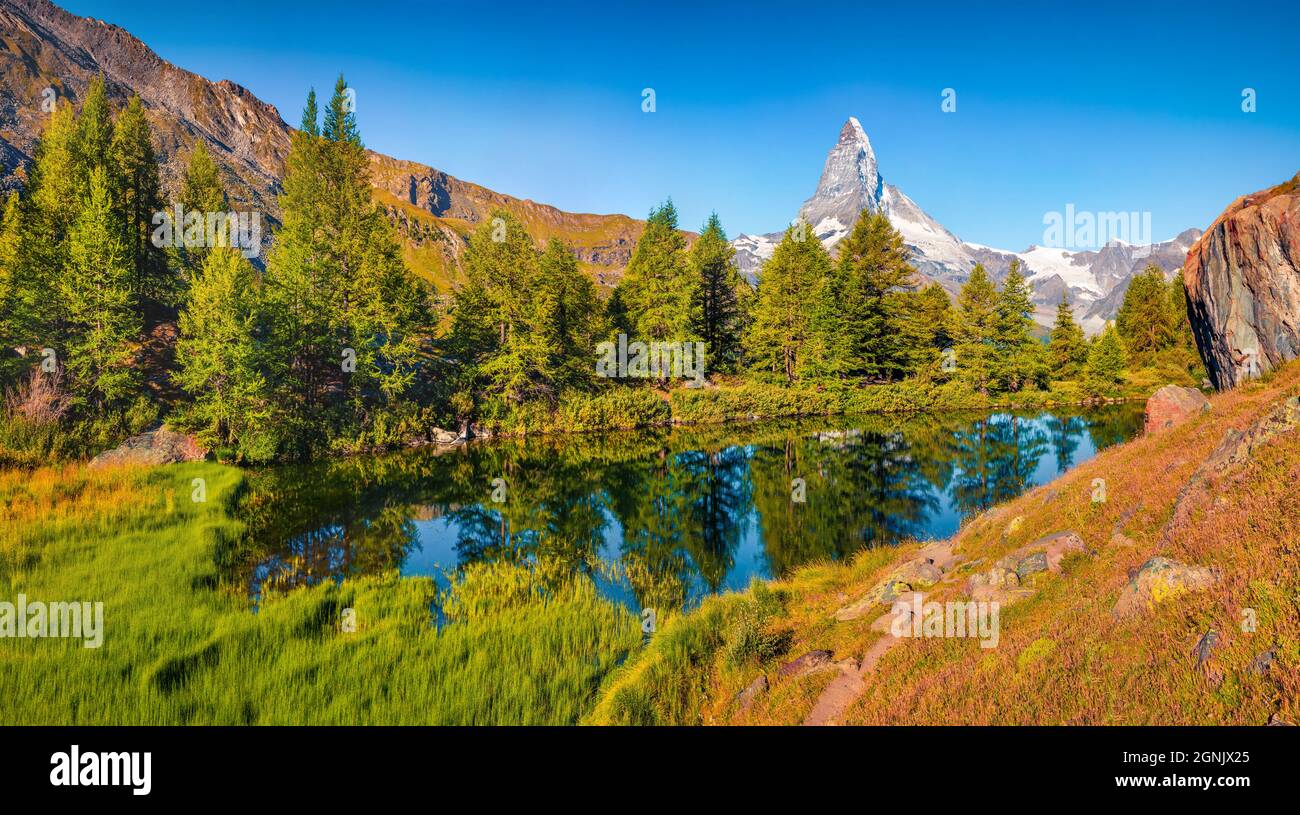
(872, 266)
(568, 317)
(658, 288)
(1107, 361)
(53, 201)
(94, 139)
(1145, 321)
(139, 198)
(1017, 360)
(104, 326)
(783, 337)
(219, 358)
(977, 330)
(495, 313)
(12, 317)
(201, 191)
(719, 294)
(347, 320)
(1067, 348)
(925, 322)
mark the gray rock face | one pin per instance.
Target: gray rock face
(1243, 286)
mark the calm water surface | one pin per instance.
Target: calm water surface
(661, 518)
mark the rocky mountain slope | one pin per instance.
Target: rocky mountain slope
(1093, 280)
(1243, 286)
(47, 54)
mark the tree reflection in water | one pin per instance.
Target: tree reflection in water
(664, 513)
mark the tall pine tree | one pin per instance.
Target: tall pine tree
(719, 295)
(1067, 349)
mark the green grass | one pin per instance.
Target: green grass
(179, 648)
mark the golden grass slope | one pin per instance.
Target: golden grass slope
(1062, 657)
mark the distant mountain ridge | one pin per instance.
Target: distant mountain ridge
(42, 46)
(851, 181)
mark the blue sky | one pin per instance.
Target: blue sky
(1110, 107)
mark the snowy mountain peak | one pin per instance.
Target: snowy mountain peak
(853, 132)
(851, 182)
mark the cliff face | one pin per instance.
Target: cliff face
(45, 50)
(1243, 286)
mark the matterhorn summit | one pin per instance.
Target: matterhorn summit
(851, 182)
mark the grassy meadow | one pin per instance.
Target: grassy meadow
(181, 648)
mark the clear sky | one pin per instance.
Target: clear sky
(1110, 107)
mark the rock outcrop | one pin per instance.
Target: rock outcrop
(1243, 286)
(1158, 580)
(1171, 406)
(151, 449)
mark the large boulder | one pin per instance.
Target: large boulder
(151, 449)
(1243, 286)
(1158, 580)
(1172, 405)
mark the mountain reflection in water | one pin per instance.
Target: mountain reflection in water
(660, 518)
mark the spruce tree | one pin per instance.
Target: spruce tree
(925, 320)
(1017, 359)
(568, 317)
(94, 139)
(201, 191)
(719, 293)
(54, 197)
(347, 320)
(1067, 348)
(12, 318)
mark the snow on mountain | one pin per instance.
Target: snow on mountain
(1094, 281)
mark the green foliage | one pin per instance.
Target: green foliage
(219, 358)
(721, 296)
(346, 320)
(526, 323)
(96, 290)
(658, 289)
(977, 330)
(1107, 360)
(201, 191)
(864, 290)
(135, 168)
(1067, 349)
(783, 340)
(1146, 320)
